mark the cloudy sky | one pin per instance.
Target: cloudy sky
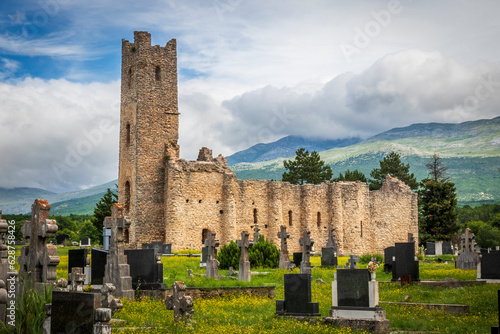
(249, 72)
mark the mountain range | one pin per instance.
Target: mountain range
(471, 150)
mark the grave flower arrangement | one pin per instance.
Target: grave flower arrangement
(372, 266)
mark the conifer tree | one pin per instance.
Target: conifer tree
(354, 175)
(391, 164)
(102, 210)
(306, 168)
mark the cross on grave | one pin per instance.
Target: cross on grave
(179, 302)
(77, 278)
(284, 256)
(306, 242)
(331, 238)
(39, 260)
(467, 241)
(117, 271)
(353, 262)
(244, 273)
(107, 298)
(212, 263)
(256, 233)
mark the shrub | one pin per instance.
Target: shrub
(363, 259)
(229, 256)
(264, 254)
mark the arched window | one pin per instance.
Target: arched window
(158, 73)
(318, 219)
(290, 219)
(255, 216)
(127, 129)
(127, 196)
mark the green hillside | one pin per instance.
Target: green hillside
(76, 206)
(471, 150)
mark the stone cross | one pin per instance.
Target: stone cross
(179, 302)
(107, 298)
(212, 263)
(411, 238)
(77, 278)
(256, 233)
(331, 238)
(244, 273)
(284, 256)
(117, 271)
(39, 260)
(353, 262)
(467, 258)
(306, 242)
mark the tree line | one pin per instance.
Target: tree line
(439, 218)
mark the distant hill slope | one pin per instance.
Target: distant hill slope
(286, 147)
(19, 200)
(471, 150)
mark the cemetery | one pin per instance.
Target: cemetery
(178, 294)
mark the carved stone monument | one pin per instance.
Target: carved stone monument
(244, 273)
(306, 242)
(107, 298)
(179, 302)
(212, 263)
(284, 256)
(117, 271)
(256, 234)
(467, 259)
(329, 252)
(77, 278)
(39, 260)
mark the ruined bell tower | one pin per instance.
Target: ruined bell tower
(149, 130)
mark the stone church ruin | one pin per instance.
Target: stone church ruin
(171, 200)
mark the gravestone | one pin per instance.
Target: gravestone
(244, 273)
(39, 260)
(256, 233)
(353, 262)
(98, 265)
(405, 262)
(297, 259)
(146, 272)
(76, 258)
(329, 252)
(297, 297)
(61, 237)
(73, 312)
(204, 256)
(85, 242)
(490, 265)
(212, 264)
(179, 302)
(355, 301)
(430, 248)
(467, 258)
(306, 242)
(107, 298)
(117, 270)
(389, 253)
(159, 247)
(284, 256)
(76, 279)
(447, 248)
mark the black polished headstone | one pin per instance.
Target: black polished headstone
(352, 287)
(146, 273)
(159, 247)
(490, 265)
(328, 257)
(77, 258)
(430, 248)
(389, 252)
(297, 297)
(61, 237)
(447, 248)
(85, 242)
(73, 312)
(97, 265)
(405, 263)
(297, 259)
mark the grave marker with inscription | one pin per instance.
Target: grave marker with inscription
(284, 256)
(306, 242)
(244, 272)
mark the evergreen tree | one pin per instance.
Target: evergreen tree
(306, 168)
(391, 164)
(102, 210)
(438, 220)
(355, 175)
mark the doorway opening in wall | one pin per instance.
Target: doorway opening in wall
(204, 236)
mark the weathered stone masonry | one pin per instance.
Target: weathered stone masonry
(177, 201)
